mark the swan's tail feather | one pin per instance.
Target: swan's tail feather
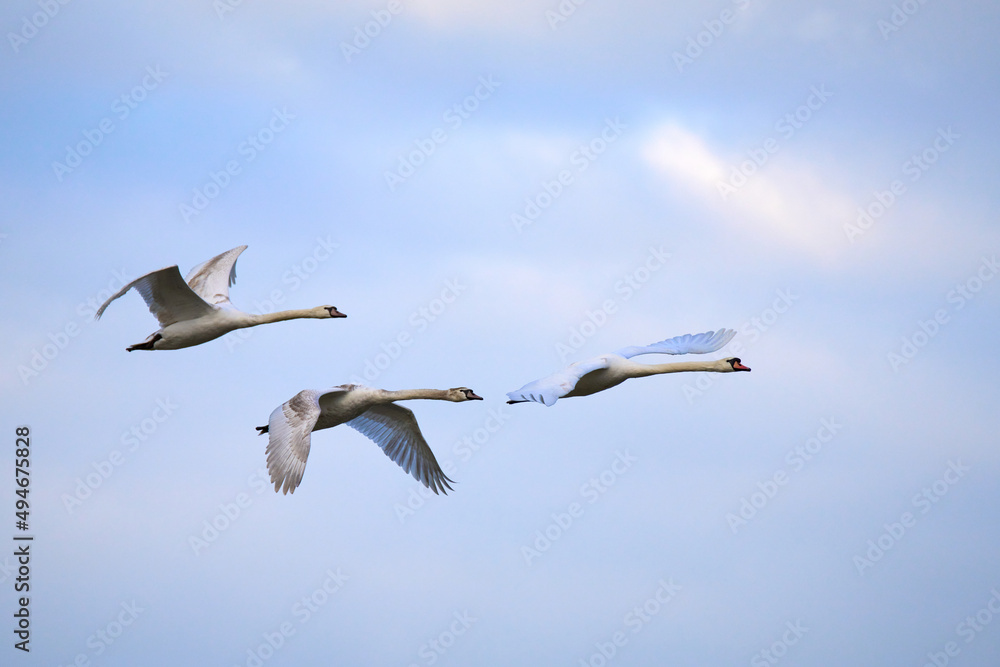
(146, 344)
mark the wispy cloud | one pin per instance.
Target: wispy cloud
(782, 202)
(453, 14)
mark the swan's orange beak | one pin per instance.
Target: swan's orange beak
(472, 396)
(737, 366)
(335, 313)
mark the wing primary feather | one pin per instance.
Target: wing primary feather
(289, 430)
(702, 343)
(550, 389)
(167, 296)
(395, 430)
(212, 278)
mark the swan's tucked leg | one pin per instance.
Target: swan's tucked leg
(146, 345)
(262, 429)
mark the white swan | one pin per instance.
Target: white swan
(197, 311)
(370, 411)
(593, 375)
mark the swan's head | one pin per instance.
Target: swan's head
(735, 365)
(329, 311)
(459, 394)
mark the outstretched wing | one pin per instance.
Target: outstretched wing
(394, 428)
(167, 296)
(550, 389)
(702, 343)
(289, 429)
(211, 280)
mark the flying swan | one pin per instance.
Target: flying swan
(608, 370)
(372, 412)
(197, 311)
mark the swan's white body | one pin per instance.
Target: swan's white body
(199, 310)
(373, 412)
(608, 370)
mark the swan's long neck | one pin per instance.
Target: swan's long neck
(410, 394)
(282, 315)
(643, 370)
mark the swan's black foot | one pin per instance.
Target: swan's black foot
(513, 402)
(146, 345)
(262, 429)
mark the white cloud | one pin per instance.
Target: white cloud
(452, 14)
(783, 201)
(821, 25)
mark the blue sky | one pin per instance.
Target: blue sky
(508, 187)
